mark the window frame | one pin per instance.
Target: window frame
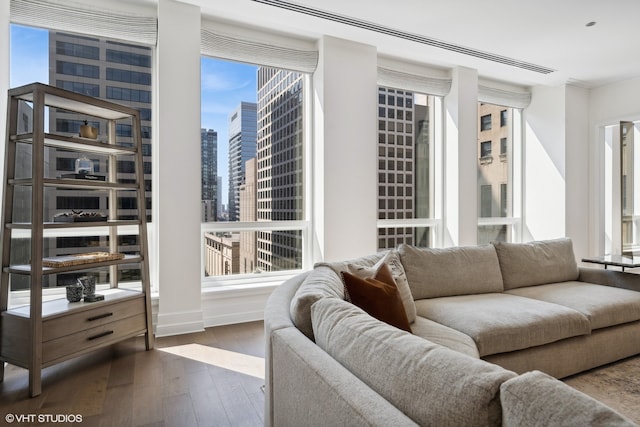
(303, 225)
(140, 40)
(434, 222)
(515, 161)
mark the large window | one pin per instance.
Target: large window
(94, 66)
(496, 208)
(405, 167)
(253, 165)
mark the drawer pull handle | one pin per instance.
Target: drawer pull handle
(103, 334)
(99, 316)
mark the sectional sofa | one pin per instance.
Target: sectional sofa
(490, 329)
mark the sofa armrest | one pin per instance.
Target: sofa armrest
(310, 388)
(536, 399)
(613, 278)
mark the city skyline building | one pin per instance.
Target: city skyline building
(494, 194)
(404, 135)
(118, 72)
(209, 174)
(248, 213)
(242, 147)
(279, 166)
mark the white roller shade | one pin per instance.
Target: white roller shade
(85, 18)
(255, 47)
(415, 77)
(412, 82)
(492, 93)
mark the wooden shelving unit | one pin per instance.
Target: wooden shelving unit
(44, 333)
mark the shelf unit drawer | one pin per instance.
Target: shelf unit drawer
(86, 319)
(92, 338)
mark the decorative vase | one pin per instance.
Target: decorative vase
(74, 293)
(88, 284)
(88, 131)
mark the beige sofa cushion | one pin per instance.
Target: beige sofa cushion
(445, 336)
(603, 305)
(451, 271)
(536, 263)
(535, 399)
(431, 384)
(500, 322)
(322, 282)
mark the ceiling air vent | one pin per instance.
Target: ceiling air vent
(407, 36)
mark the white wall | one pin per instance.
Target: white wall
(177, 150)
(577, 193)
(544, 165)
(611, 103)
(608, 105)
(345, 149)
(461, 160)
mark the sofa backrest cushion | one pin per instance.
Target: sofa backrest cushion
(323, 281)
(432, 384)
(392, 260)
(378, 296)
(537, 399)
(536, 263)
(445, 272)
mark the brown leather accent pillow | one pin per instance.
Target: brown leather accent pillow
(378, 296)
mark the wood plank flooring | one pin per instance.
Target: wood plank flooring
(211, 378)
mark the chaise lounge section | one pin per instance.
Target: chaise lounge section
(489, 325)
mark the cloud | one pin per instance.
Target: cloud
(219, 82)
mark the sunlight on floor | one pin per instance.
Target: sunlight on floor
(238, 362)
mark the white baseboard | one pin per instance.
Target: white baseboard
(220, 306)
(224, 306)
(179, 323)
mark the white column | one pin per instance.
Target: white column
(578, 192)
(176, 173)
(545, 165)
(461, 160)
(345, 150)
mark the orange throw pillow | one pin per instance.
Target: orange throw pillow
(378, 296)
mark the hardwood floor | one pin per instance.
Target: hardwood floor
(211, 378)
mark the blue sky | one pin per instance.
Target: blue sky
(29, 56)
(224, 85)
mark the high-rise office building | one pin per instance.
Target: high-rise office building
(242, 147)
(403, 164)
(219, 208)
(209, 174)
(118, 72)
(248, 213)
(280, 166)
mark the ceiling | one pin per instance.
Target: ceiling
(490, 36)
